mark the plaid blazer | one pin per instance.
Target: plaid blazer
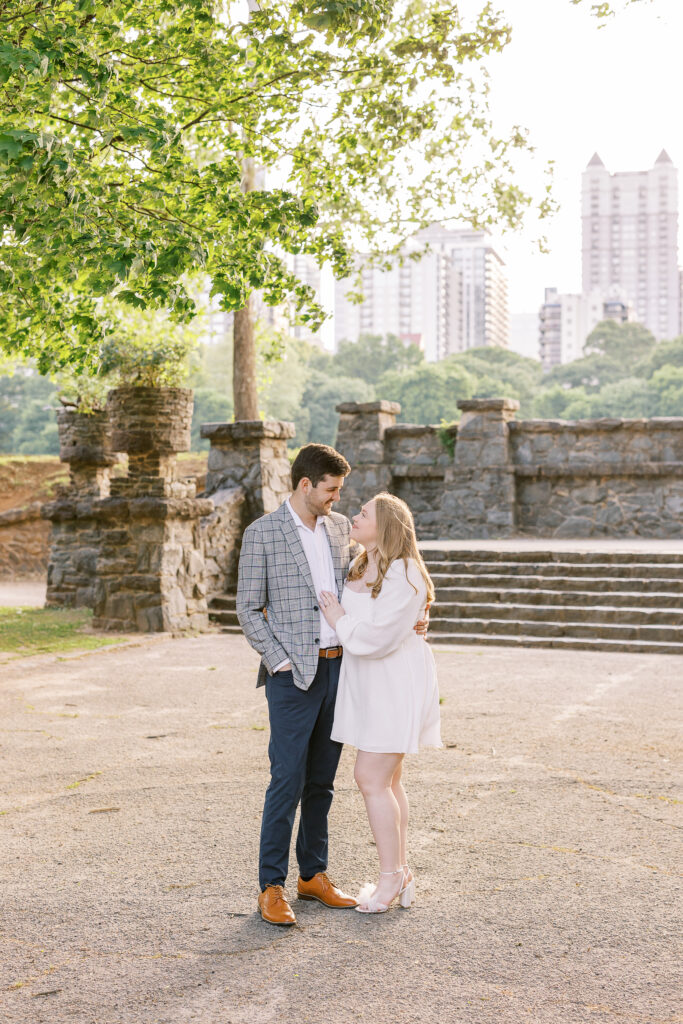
(274, 576)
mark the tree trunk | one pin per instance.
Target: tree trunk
(244, 391)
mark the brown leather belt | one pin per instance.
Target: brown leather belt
(330, 652)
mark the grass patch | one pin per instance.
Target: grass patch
(26, 631)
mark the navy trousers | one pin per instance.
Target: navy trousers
(303, 763)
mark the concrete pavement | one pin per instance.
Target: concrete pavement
(544, 844)
(22, 593)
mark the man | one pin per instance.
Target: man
(288, 557)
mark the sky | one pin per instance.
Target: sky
(578, 89)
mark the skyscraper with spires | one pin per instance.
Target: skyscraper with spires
(630, 240)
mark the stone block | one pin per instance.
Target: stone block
(575, 526)
(118, 606)
(370, 451)
(483, 405)
(246, 430)
(148, 600)
(175, 603)
(194, 563)
(150, 620)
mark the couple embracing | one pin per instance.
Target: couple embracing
(338, 614)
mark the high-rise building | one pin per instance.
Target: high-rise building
(452, 299)
(630, 239)
(565, 321)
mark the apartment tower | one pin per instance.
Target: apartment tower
(630, 240)
(452, 299)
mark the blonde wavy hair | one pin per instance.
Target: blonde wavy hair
(395, 539)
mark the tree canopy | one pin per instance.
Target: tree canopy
(125, 127)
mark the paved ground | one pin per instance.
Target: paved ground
(543, 843)
(22, 594)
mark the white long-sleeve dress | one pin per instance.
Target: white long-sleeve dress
(388, 697)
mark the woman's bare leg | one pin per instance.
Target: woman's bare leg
(402, 801)
(374, 775)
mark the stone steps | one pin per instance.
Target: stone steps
(441, 615)
(598, 600)
(479, 555)
(561, 643)
(224, 618)
(604, 570)
(559, 583)
(529, 596)
(576, 630)
(571, 600)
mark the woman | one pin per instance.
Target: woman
(387, 701)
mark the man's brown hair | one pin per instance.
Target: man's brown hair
(316, 461)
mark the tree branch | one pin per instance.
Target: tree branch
(23, 14)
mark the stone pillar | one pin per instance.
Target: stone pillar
(479, 487)
(150, 571)
(360, 439)
(85, 444)
(251, 454)
(248, 476)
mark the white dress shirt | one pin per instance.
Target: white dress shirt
(318, 553)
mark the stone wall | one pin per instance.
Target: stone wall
(144, 550)
(24, 539)
(608, 477)
(418, 460)
(248, 476)
(150, 565)
(222, 533)
(493, 476)
(360, 439)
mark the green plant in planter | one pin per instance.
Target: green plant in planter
(132, 361)
(82, 392)
(146, 349)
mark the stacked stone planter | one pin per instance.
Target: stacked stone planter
(150, 569)
(85, 444)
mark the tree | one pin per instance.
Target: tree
(623, 343)
(371, 356)
(628, 397)
(666, 353)
(667, 385)
(501, 372)
(27, 413)
(319, 399)
(552, 401)
(125, 128)
(428, 393)
(210, 406)
(613, 352)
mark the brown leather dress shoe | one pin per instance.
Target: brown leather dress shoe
(322, 889)
(274, 907)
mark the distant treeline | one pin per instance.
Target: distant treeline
(624, 372)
